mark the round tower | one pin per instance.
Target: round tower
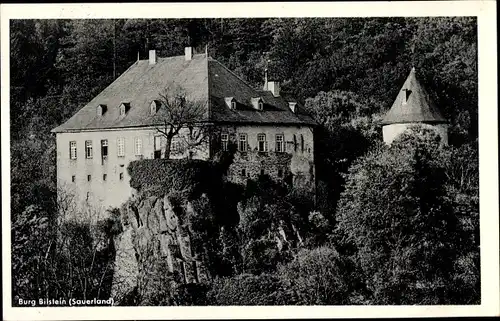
(413, 106)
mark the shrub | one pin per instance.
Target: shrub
(400, 216)
(155, 176)
(319, 276)
(248, 289)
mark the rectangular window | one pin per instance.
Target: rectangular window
(262, 144)
(73, 178)
(138, 146)
(104, 177)
(175, 146)
(280, 145)
(72, 150)
(104, 148)
(157, 146)
(88, 149)
(89, 178)
(242, 146)
(121, 176)
(224, 138)
(121, 147)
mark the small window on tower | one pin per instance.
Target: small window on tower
(121, 176)
(73, 178)
(89, 178)
(104, 177)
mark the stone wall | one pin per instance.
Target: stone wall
(390, 132)
(296, 162)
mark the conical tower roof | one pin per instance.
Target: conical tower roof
(413, 105)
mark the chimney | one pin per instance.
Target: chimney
(188, 53)
(274, 87)
(152, 57)
(292, 106)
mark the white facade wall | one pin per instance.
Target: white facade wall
(113, 191)
(99, 192)
(390, 132)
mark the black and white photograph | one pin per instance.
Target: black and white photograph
(234, 160)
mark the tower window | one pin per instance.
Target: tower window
(121, 176)
(242, 146)
(104, 177)
(261, 139)
(89, 178)
(73, 178)
(88, 149)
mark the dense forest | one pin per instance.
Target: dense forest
(347, 72)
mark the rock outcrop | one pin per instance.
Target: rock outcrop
(156, 242)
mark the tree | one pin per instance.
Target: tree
(181, 113)
(397, 212)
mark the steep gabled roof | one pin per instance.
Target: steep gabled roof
(203, 78)
(413, 104)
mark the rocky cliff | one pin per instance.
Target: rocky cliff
(155, 248)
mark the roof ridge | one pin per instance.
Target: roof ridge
(171, 57)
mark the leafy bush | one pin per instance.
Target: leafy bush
(319, 276)
(248, 289)
(400, 216)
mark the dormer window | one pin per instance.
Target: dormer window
(101, 109)
(155, 106)
(257, 103)
(124, 108)
(293, 106)
(230, 102)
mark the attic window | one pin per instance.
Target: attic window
(292, 106)
(230, 102)
(155, 106)
(257, 103)
(101, 110)
(124, 108)
(407, 95)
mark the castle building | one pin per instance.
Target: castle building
(412, 106)
(272, 132)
